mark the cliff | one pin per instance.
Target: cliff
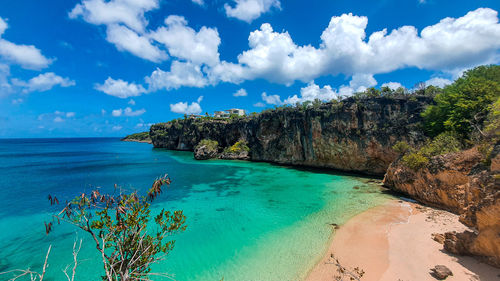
(466, 183)
(355, 135)
(138, 137)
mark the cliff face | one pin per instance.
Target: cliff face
(463, 183)
(354, 135)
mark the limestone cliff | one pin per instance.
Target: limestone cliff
(352, 135)
(466, 183)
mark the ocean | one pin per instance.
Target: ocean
(246, 221)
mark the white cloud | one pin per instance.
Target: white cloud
(312, 92)
(449, 46)
(185, 108)
(120, 88)
(438, 82)
(43, 82)
(199, 2)
(271, 99)
(27, 56)
(70, 114)
(241, 93)
(58, 119)
(117, 112)
(131, 102)
(127, 12)
(117, 128)
(127, 112)
(139, 45)
(259, 104)
(249, 10)
(180, 74)
(185, 43)
(392, 85)
(17, 101)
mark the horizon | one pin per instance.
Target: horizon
(71, 69)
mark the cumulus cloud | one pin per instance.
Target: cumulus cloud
(241, 93)
(127, 112)
(271, 99)
(180, 74)
(438, 82)
(392, 85)
(185, 108)
(27, 56)
(116, 128)
(185, 43)
(131, 102)
(127, 12)
(451, 45)
(128, 40)
(249, 10)
(120, 88)
(312, 92)
(56, 116)
(43, 82)
(259, 104)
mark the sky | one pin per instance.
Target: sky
(92, 68)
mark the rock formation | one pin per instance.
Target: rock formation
(356, 134)
(466, 183)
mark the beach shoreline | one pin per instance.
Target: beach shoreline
(393, 241)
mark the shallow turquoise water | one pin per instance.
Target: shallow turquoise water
(246, 221)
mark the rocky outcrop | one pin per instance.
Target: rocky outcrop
(204, 151)
(466, 183)
(353, 135)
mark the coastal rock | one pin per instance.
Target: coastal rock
(441, 272)
(466, 183)
(438, 237)
(203, 152)
(354, 135)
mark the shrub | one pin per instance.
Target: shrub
(210, 144)
(444, 143)
(415, 160)
(401, 147)
(238, 147)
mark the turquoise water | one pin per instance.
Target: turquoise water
(246, 221)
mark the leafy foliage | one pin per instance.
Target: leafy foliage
(138, 136)
(238, 147)
(118, 224)
(401, 147)
(415, 160)
(463, 106)
(210, 144)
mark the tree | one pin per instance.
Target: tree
(118, 224)
(463, 106)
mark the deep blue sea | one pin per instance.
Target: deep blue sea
(246, 221)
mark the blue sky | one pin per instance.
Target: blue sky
(112, 67)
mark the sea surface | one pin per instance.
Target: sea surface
(246, 221)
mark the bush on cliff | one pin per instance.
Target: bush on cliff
(415, 160)
(238, 147)
(462, 107)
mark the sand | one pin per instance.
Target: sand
(393, 242)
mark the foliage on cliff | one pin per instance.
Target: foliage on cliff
(463, 106)
(238, 147)
(144, 136)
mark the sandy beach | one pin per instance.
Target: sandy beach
(394, 242)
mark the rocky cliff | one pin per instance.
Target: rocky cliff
(353, 135)
(466, 183)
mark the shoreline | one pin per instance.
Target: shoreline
(393, 242)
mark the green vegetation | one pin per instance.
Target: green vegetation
(238, 147)
(119, 226)
(210, 144)
(401, 147)
(463, 106)
(416, 159)
(144, 136)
